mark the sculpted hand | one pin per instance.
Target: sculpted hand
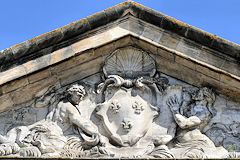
(173, 103)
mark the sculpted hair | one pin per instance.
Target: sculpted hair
(76, 88)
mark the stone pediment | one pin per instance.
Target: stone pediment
(124, 83)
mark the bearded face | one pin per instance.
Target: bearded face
(204, 94)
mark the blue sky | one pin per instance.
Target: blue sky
(21, 20)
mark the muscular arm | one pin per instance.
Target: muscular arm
(185, 122)
(76, 119)
(181, 120)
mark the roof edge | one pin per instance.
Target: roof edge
(111, 14)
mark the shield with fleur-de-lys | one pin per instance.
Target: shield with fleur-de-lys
(126, 118)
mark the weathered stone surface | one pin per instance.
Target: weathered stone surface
(152, 33)
(6, 102)
(27, 93)
(227, 47)
(125, 113)
(94, 41)
(39, 76)
(207, 72)
(103, 50)
(143, 86)
(208, 81)
(189, 48)
(151, 16)
(136, 27)
(178, 71)
(174, 25)
(37, 64)
(97, 20)
(2, 58)
(61, 54)
(227, 79)
(165, 54)
(147, 46)
(23, 49)
(81, 71)
(185, 62)
(199, 35)
(125, 41)
(6, 57)
(49, 38)
(69, 63)
(169, 40)
(111, 14)
(231, 66)
(208, 57)
(15, 85)
(74, 29)
(94, 53)
(1, 91)
(12, 74)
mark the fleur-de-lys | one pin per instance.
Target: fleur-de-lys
(138, 107)
(115, 106)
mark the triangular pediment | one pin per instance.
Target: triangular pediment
(133, 73)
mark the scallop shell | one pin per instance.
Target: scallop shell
(129, 62)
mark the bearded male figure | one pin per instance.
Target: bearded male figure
(192, 115)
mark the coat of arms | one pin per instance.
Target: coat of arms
(133, 112)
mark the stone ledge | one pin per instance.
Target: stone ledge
(136, 28)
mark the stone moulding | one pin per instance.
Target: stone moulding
(128, 82)
(220, 68)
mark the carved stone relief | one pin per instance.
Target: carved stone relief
(134, 112)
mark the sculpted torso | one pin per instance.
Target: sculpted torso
(63, 114)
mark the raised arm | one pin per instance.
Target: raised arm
(182, 121)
